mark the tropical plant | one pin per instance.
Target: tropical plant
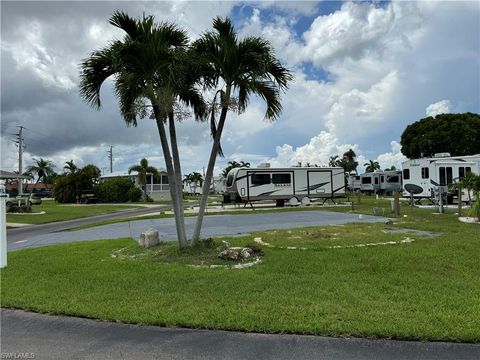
(151, 68)
(70, 186)
(231, 66)
(371, 166)
(232, 165)
(42, 169)
(391, 168)
(193, 180)
(70, 167)
(143, 169)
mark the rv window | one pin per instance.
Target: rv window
(357, 177)
(406, 174)
(393, 179)
(461, 172)
(229, 180)
(376, 180)
(449, 175)
(382, 179)
(425, 173)
(468, 169)
(366, 180)
(281, 178)
(442, 176)
(260, 179)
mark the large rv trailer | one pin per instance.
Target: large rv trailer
(381, 182)
(286, 184)
(426, 175)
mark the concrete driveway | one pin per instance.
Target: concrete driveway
(213, 225)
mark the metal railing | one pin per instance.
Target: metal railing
(157, 187)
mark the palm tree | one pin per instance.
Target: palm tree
(242, 67)
(391, 168)
(152, 68)
(143, 169)
(41, 168)
(232, 165)
(70, 167)
(371, 166)
(194, 178)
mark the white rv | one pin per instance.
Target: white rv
(424, 176)
(381, 182)
(286, 184)
(354, 182)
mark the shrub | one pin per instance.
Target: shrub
(117, 190)
(135, 194)
(19, 209)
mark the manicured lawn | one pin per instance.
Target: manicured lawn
(60, 212)
(428, 289)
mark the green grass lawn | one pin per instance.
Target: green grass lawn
(60, 212)
(428, 289)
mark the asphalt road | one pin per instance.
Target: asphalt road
(213, 226)
(22, 233)
(60, 337)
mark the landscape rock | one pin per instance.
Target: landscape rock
(225, 245)
(236, 253)
(388, 222)
(149, 238)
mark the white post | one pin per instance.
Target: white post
(3, 233)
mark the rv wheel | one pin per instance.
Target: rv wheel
(306, 200)
(8, 204)
(293, 201)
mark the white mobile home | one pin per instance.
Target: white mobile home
(285, 184)
(427, 174)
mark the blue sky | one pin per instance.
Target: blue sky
(363, 72)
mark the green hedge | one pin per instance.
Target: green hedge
(117, 190)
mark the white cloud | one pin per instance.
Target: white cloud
(318, 151)
(440, 107)
(394, 157)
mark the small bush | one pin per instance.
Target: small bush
(23, 209)
(117, 190)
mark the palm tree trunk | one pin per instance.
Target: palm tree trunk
(211, 165)
(177, 173)
(182, 240)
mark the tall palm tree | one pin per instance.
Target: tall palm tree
(151, 67)
(143, 169)
(241, 67)
(371, 166)
(42, 169)
(70, 167)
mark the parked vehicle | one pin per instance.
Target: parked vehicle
(354, 182)
(285, 184)
(426, 176)
(33, 199)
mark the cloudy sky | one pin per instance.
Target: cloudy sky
(363, 72)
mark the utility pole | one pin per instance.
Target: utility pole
(20, 159)
(110, 157)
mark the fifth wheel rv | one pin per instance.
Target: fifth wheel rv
(286, 184)
(425, 176)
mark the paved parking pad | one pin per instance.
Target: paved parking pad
(213, 225)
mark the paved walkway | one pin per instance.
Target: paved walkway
(213, 225)
(59, 337)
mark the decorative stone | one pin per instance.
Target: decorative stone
(149, 238)
(388, 222)
(231, 253)
(245, 253)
